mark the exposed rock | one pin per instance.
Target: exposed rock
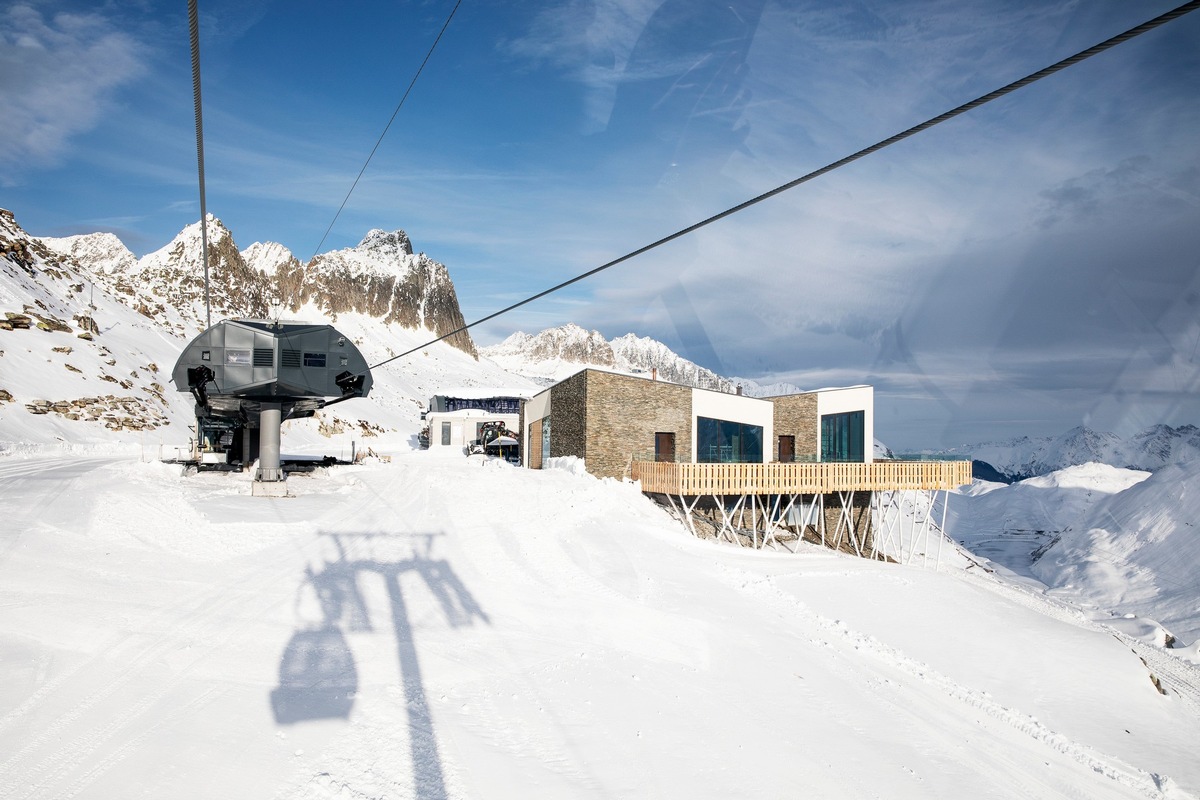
(5, 396)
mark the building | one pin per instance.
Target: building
(774, 467)
(454, 418)
(611, 420)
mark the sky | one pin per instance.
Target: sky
(1028, 267)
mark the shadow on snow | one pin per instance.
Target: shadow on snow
(318, 678)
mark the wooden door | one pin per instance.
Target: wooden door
(664, 447)
(787, 449)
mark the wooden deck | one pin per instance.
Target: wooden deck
(692, 480)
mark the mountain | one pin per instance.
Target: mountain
(557, 353)
(1121, 543)
(1152, 449)
(89, 334)
(380, 278)
(77, 365)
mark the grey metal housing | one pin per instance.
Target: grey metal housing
(263, 361)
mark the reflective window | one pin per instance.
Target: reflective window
(445, 433)
(239, 358)
(314, 359)
(842, 436)
(721, 441)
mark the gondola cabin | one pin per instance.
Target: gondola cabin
(249, 375)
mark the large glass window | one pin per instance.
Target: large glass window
(545, 439)
(842, 436)
(724, 442)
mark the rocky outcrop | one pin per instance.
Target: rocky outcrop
(381, 278)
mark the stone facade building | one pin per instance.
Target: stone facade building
(610, 420)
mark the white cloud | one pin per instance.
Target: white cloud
(57, 76)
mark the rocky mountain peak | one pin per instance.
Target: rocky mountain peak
(392, 244)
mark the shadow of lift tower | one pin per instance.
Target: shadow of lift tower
(247, 376)
(318, 678)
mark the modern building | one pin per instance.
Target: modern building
(800, 463)
(610, 420)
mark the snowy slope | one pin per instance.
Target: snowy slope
(1120, 542)
(485, 631)
(1135, 552)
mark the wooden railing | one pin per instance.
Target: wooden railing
(798, 478)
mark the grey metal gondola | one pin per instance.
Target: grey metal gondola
(247, 376)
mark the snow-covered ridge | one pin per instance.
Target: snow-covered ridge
(1151, 449)
(556, 353)
(380, 277)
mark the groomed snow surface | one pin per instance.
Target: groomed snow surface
(439, 627)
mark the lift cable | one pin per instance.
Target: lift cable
(194, 30)
(987, 98)
(387, 127)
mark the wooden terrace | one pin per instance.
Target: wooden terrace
(691, 480)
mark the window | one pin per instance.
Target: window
(314, 359)
(239, 358)
(721, 441)
(545, 439)
(445, 433)
(842, 436)
(492, 405)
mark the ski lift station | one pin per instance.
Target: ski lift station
(457, 418)
(247, 376)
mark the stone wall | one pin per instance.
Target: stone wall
(796, 415)
(624, 413)
(568, 417)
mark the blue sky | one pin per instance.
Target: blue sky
(1028, 267)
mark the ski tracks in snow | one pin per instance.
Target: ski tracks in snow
(46, 764)
(839, 640)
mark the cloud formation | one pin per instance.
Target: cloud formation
(57, 76)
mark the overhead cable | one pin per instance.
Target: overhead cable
(194, 30)
(964, 108)
(387, 127)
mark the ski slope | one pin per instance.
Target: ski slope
(441, 627)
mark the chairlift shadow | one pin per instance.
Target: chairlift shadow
(318, 678)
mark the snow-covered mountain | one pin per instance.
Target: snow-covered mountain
(557, 353)
(97, 373)
(1152, 449)
(1120, 542)
(380, 278)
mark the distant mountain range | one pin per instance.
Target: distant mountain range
(558, 353)
(1017, 459)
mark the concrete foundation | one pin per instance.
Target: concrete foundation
(269, 489)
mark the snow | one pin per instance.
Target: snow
(1119, 543)
(435, 626)
(515, 633)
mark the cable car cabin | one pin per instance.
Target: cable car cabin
(249, 375)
